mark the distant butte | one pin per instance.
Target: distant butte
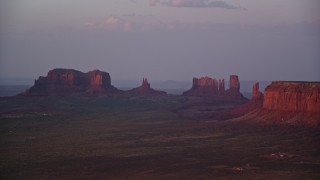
(209, 87)
(145, 89)
(282, 101)
(70, 81)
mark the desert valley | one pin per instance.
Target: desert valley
(159, 89)
(72, 124)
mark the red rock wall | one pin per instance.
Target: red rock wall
(293, 96)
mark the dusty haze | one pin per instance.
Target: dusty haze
(162, 40)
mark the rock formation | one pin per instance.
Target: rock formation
(292, 96)
(221, 85)
(234, 88)
(256, 94)
(145, 89)
(205, 82)
(234, 83)
(254, 104)
(295, 103)
(214, 88)
(69, 81)
(204, 86)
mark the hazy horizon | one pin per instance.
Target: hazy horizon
(162, 39)
(10, 87)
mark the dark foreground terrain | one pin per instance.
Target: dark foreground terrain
(147, 138)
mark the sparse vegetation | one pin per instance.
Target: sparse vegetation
(138, 137)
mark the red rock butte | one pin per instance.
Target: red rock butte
(145, 89)
(214, 88)
(292, 96)
(256, 94)
(234, 82)
(70, 81)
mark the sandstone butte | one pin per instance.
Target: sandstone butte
(292, 96)
(296, 103)
(69, 81)
(145, 89)
(214, 88)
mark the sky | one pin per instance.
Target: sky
(162, 39)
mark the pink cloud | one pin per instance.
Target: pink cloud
(143, 24)
(195, 4)
(114, 23)
(137, 23)
(111, 23)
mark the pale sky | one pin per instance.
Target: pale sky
(162, 39)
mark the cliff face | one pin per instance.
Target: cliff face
(69, 81)
(214, 88)
(292, 96)
(145, 89)
(99, 79)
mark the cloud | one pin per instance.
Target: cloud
(118, 24)
(153, 2)
(111, 23)
(194, 4)
(129, 23)
(114, 23)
